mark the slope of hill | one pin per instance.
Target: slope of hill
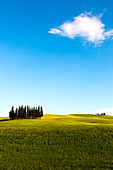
(57, 142)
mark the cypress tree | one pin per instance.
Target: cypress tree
(23, 113)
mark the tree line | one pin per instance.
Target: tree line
(26, 112)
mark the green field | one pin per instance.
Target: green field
(57, 142)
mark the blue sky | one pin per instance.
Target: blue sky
(44, 63)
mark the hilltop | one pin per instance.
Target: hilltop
(57, 142)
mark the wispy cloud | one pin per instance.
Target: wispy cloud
(107, 111)
(87, 26)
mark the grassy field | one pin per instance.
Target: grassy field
(57, 142)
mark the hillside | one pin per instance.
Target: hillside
(57, 142)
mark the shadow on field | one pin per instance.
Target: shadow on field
(4, 120)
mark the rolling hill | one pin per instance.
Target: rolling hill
(57, 142)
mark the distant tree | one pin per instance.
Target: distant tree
(22, 112)
(16, 113)
(11, 113)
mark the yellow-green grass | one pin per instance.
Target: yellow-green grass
(57, 142)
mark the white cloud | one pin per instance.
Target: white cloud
(107, 111)
(109, 33)
(4, 114)
(85, 25)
